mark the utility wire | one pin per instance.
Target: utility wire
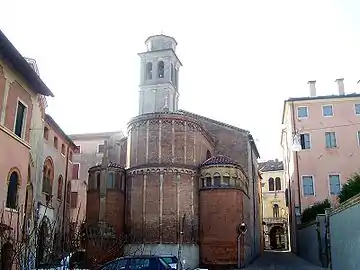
(327, 127)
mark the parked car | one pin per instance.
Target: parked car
(141, 262)
(74, 260)
(171, 260)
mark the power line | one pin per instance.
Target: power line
(329, 127)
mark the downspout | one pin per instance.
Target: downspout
(296, 158)
(253, 197)
(64, 197)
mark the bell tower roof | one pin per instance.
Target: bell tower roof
(160, 42)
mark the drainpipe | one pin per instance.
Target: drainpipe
(64, 197)
(253, 197)
(296, 157)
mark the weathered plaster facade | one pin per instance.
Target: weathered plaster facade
(275, 210)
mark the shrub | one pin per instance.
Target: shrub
(310, 213)
(350, 189)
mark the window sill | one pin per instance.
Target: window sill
(7, 209)
(14, 136)
(332, 148)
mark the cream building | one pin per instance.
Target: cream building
(275, 211)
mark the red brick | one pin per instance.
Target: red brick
(221, 211)
(169, 218)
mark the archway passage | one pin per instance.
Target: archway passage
(6, 256)
(42, 238)
(277, 238)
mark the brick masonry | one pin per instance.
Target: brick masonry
(220, 209)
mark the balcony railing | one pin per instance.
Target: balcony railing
(275, 220)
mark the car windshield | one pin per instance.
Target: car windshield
(115, 265)
(169, 259)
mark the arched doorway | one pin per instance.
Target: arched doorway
(42, 240)
(6, 256)
(277, 238)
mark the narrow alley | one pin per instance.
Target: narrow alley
(281, 260)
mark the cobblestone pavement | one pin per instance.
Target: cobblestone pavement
(281, 261)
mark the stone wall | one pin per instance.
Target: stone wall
(311, 241)
(345, 233)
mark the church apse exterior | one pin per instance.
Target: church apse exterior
(190, 180)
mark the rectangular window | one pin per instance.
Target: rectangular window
(308, 186)
(101, 148)
(330, 140)
(334, 181)
(70, 155)
(77, 149)
(55, 142)
(327, 110)
(305, 141)
(46, 133)
(74, 198)
(357, 109)
(63, 149)
(20, 119)
(302, 112)
(76, 171)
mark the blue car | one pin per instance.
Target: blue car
(141, 262)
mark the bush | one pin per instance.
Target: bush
(310, 213)
(350, 189)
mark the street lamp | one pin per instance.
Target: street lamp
(296, 146)
(241, 230)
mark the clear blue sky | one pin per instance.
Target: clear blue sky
(241, 58)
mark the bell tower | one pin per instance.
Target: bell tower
(159, 75)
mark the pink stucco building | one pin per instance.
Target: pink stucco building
(19, 87)
(321, 146)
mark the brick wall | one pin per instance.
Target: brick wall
(221, 211)
(158, 200)
(167, 139)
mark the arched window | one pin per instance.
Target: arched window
(149, 71)
(226, 180)
(60, 187)
(172, 73)
(217, 180)
(97, 180)
(12, 192)
(161, 69)
(110, 181)
(48, 176)
(208, 180)
(271, 184)
(276, 210)
(68, 192)
(277, 183)
(208, 154)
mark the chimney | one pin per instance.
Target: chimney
(341, 88)
(312, 88)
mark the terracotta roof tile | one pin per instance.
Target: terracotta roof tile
(219, 159)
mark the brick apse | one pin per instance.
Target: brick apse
(190, 180)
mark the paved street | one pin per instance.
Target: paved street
(281, 261)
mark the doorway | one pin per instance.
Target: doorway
(277, 238)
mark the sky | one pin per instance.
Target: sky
(241, 59)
